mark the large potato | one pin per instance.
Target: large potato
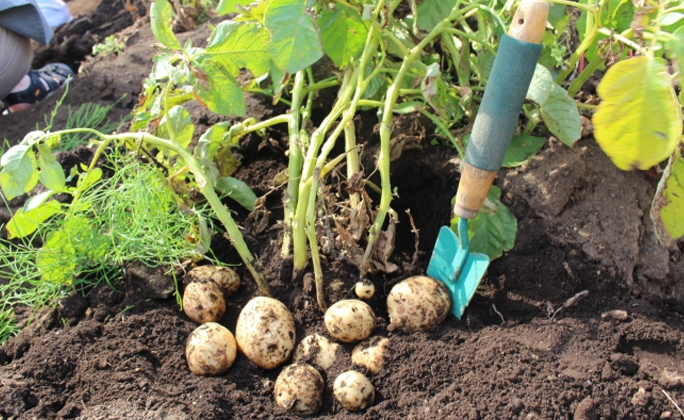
(226, 278)
(371, 353)
(318, 350)
(265, 332)
(350, 320)
(418, 303)
(203, 301)
(353, 390)
(299, 389)
(210, 350)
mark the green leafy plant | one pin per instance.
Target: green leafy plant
(110, 46)
(385, 63)
(131, 216)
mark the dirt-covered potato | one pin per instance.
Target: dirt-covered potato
(317, 350)
(418, 303)
(226, 278)
(203, 301)
(364, 289)
(353, 390)
(371, 353)
(299, 389)
(210, 350)
(265, 332)
(350, 320)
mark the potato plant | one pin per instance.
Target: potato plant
(429, 58)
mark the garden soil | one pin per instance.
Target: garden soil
(582, 319)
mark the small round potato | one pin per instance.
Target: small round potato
(353, 390)
(265, 332)
(318, 350)
(350, 320)
(203, 301)
(299, 389)
(226, 278)
(418, 303)
(364, 289)
(371, 353)
(210, 350)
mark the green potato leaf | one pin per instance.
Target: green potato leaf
(239, 45)
(522, 148)
(343, 34)
(237, 190)
(217, 89)
(24, 223)
(558, 109)
(228, 6)
(668, 203)
(177, 126)
(431, 12)
(51, 172)
(56, 261)
(638, 122)
(19, 171)
(493, 230)
(676, 47)
(295, 40)
(161, 20)
(206, 149)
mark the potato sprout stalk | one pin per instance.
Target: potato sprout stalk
(205, 185)
(386, 124)
(294, 167)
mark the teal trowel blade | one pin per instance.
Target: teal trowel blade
(460, 270)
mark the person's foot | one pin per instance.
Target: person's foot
(41, 84)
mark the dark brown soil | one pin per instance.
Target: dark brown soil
(617, 352)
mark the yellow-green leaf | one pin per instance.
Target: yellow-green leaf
(638, 122)
(161, 20)
(23, 223)
(57, 259)
(668, 203)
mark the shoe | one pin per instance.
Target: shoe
(55, 76)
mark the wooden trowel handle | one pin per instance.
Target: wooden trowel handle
(501, 103)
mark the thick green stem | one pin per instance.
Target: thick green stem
(386, 132)
(353, 167)
(594, 22)
(586, 73)
(313, 243)
(316, 141)
(294, 169)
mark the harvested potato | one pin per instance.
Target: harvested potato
(226, 278)
(350, 320)
(371, 353)
(364, 289)
(299, 389)
(353, 390)
(210, 350)
(318, 350)
(418, 303)
(203, 301)
(265, 332)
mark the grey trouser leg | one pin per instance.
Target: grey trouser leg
(15, 59)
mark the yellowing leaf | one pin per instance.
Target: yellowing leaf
(638, 122)
(668, 204)
(24, 223)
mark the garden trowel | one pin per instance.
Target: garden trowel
(452, 262)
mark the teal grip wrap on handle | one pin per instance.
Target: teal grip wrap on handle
(501, 103)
